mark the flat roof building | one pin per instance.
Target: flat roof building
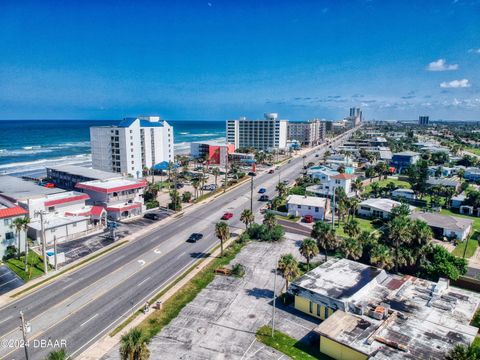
(16, 189)
(370, 314)
(308, 133)
(67, 176)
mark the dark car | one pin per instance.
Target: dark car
(316, 155)
(271, 171)
(195, 237)
(262, 191)
(263, 198)
(151, 216)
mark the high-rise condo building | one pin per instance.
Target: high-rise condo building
(423, 120)
(132, 146)
(309, 133)
(356, 116)
(266, 134)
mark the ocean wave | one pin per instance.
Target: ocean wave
(38, 149)
(40, 164)
(184, 133)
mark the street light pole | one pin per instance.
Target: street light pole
(55, 252)
(274, 296)
(251, 174)
(24, 329)
(226, 172)
(44, 243)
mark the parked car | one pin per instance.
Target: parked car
(209, 187)
(262, 191)
(263, 198)
(271, 171)
(151, 216)
(308, 219)
(227, 216)
(195, 237)
(285, 182)
(316, 155)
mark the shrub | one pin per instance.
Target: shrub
(152, 204)
(238, 270)
(10, 252)
(186, 196)
(262, 233)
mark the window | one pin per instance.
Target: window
(311, 307)
(299, 206)
(317, 209)
(7, 221)
(318, 309)
(309, 208)
(9, 235)
(51, 208)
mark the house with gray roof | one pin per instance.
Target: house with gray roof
(444, 225)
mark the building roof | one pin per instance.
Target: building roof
(406, 153)
(123, 207)
(343, 176)
(442, 221)
(395, 316)
(306, 200)
(144, 122)
(88, 211)
(9, 209)
(443, 182)
(15, 188)
(381, 204)
(112, 185)
(337, 278)
(65, 197)
(409, 191)
(93, 174)
(52, 222)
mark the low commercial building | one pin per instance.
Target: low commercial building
(67, 176)
(122, 198)
(377, 208)
(298, 205)
(16, 189)
(370, 314)
(404, 194)
(8, 236)
(211, 151)
(402, 160)
(448, 226)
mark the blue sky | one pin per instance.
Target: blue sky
(222, 59)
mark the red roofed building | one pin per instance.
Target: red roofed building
(8, 213)
(122, 197)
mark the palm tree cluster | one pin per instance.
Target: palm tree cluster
(269, 230)
(133, 345)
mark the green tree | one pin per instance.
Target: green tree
(462, 352)
(381, 257)
(57, 355)
(357, 186)
(352, 228)
(351, 248)
(222, 232)
(20, 225)
(375, 189)
(282, 189)
(247, 217)
(288, 267)
(216, 173)
(438, 262)
(269, 220)
(175, 200)
(308, 249)
(133, 345)
(276, 202)
(195, 183)
(325, 236)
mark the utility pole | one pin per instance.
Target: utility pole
(55, 252)
(274, 296)
(251, 174)
(25, 329)
(333, 209)
(226, 171)
(44, 243)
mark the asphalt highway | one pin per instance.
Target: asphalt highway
(81, 307)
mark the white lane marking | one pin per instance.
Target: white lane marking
(141, 262)
(6, 319)
(157, 251)
(180, 255)
(143, 281)
(8, 282)
(93, 317)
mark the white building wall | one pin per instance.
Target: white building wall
(302, 210)
(9, 237)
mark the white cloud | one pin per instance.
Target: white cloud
(455, 84)
(475, 51)
(441, 65)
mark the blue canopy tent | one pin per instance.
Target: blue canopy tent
(163, 166)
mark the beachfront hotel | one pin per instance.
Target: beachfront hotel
(267, 134)
(132, 146)
(308, 133)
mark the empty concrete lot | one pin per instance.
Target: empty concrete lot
(221, 322)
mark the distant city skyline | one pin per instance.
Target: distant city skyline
(219, 60)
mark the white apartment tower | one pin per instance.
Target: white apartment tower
(135, 144)
(308, 133)
(266, 134)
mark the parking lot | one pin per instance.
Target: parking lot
(79, 248)
(222, 320)
(8, 280)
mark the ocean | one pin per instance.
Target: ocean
(28, 146)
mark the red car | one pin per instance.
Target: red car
(308, 219)
(227, 216)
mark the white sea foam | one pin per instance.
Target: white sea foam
(184, 133)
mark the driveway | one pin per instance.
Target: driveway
(8, 280)
(221, 322)
(295, 228)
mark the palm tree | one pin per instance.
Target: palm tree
(351, 248)
(288, 267)
(352, 228)
(324, 234)
(196, 184)
(20, 225)
(398, 233)
(352, 206)
(308, 249)
(247, 217)
(381, 257)
(133, 346)
(269, 220)
(222, 232)
(375, 189)
(276, 202)
(57, 355)
(215, 173)
(282, 189)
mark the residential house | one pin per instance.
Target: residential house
(402, 160)
(8, 236)
(446, 225)
(377, 208)
(298, 205)
(449, 183)
(472, 174)
(330, 180)
(404, 194)
(368, 313)
(458, 200)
